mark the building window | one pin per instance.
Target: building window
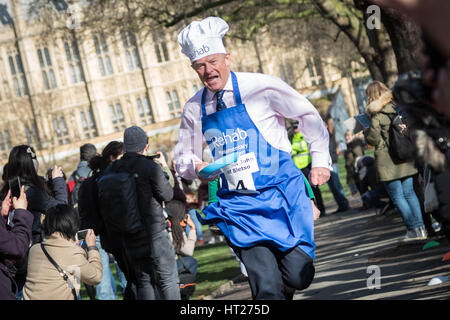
(144, 110)
(176, 100)
(15, 65)
(104, 61)
(117, 117)
(173, 104)
(282, 73)
(47, 69)
(5, 143)
(315, 71)
(88, 124)
(286, 74)
(74, 61)
(31, 134)
(159, 39)
(60, 128)
(129, 44)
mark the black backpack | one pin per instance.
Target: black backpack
(88, 205)
(74, 192)
(401, 147)
(187, 281)
(118, 200)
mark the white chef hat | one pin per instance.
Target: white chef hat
(203, 38)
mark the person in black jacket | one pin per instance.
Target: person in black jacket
(151, 249)
(89, 210)
(23, 163)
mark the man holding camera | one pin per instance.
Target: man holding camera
(149, 249)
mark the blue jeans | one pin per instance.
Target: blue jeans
(371, 199)
(198, 225)
(190, 262)
(121, 278)
(402, 193)
(336, 188)
(106, 289)
(157, 275)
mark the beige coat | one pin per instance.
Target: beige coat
(43, 280)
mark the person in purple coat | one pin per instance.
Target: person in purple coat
(23, 163)
(15, 238)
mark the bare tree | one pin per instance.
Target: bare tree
(386, 51)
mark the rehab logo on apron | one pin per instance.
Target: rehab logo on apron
(263, 196)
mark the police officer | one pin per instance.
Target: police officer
(302, 159)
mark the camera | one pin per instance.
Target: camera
(153, 156)
(48, 175)
(81, 234)
(410, 89)
(49, 180)
(413, 96)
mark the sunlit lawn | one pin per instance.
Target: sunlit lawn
(327, 196)
(216, 265)
(84, 295)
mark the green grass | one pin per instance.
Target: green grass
(327, 196)
(84, 295)
(216, 265)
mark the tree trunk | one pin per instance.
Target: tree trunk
(258, 55)
(375, 49)
(405, 37)
(380, 42)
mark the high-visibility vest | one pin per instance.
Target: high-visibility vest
(300, 151)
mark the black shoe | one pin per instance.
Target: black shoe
(341, 210)
(383, 210)
(288, 292)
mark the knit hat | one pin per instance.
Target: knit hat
(134, 139)
(87, 151)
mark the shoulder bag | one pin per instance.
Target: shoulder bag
(61, 272)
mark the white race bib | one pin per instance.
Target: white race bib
(239, 174)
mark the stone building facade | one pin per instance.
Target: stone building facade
(61, 91)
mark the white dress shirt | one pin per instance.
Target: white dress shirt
(268, 101)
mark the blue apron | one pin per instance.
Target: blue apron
(262, 198)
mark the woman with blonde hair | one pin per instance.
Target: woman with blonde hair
(397, 177)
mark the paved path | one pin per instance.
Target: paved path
(348, 243)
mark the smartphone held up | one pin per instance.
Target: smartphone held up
(81, 235)
(15, 186)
